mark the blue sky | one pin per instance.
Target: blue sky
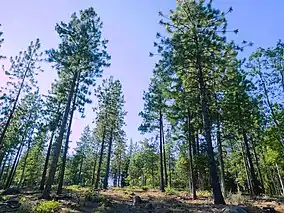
(130, 26)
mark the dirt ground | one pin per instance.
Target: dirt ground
(122, 200)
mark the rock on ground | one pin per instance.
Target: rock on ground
(234, 209)
(137, 200)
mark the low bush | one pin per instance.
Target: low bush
(47, 207)
(171, 191)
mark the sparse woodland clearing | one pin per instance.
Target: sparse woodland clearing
(211, 120)
(84, 199)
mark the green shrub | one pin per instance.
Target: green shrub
(145, 188)
(171, 191)
(203, 193)
(89, 195)
(73, 188)
(47, 207)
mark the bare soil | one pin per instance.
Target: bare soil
(121, 200)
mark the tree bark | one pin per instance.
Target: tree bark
(162, 185)
(42, 182)
(280, 179)
(190, 158)
(164, 155)
(3, 165)
(58, 142)
(152, 173)
(105, 184)
(221, 161)
(94, 169)
(100, 159)
(119, 171)
(217, 193)
(170, 170)
(250, 187)
(2, 155)
(258, 167)
(24, 166)
(6, 174)
(80, 171)
(255, 185)
(14, 167)
(62, 172)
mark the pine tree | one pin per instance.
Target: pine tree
(80, 58)
(152, 115)
(22, 71)
(110, 121)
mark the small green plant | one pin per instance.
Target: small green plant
(4, 197)
(89, 195)
(171, 191)
(47, 207)
(203, 193)
(73, 188)
(99, 198)
(145, 188)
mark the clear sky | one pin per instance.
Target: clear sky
(130, 26)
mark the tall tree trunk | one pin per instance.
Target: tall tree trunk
(43, 176)
(280, 179)
(221, 161)
(170, 170)
(24, 166)
(58, 143)
(217, 193)
(14, 167)
(66, 146)
(62, 172)
(197, 143)
(258, 167)
(94, 169)
(100, 159)
(2, 155)
(162, 185)
(105, 185)
(119, 172)
(152, 173)
(255, 185)
(250, 187)
(115, 179)
(80, 171)
(3, 165)
(191, 167)
(6, 174)
(164, 155)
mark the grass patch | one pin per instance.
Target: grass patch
(204, 193)
(145, 188)
(73, 188)
(171, 191)
(47, 206)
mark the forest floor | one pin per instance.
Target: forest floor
(82, 199)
